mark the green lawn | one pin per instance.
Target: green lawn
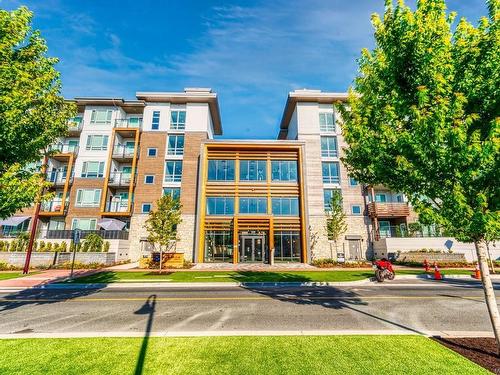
(242, 276)
(6, 275)
(233, 355)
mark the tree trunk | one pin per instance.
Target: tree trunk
(492, 263)
(489, 293)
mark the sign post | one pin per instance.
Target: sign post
(76, 237)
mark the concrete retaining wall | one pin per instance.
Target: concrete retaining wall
(49, 258)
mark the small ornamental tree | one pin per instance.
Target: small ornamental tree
(335, 220)
(162, 223)
(423, 118)
(33, 114)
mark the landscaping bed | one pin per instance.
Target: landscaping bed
(364, 355)
(481, 350)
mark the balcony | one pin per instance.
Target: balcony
(63, 148)
(388, 210)
(119, 208)
(129, 123)
(54, 207)
(122, 153)
(120, 179)
(104, 234)
(58, 178)
(75, 126)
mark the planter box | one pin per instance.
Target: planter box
(170, 260)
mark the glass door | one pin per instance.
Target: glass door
(252, 248)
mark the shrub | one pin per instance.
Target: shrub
(80, 265)
(41, 248)
(93, 242)
(106, 246)
(35, 246)
(6, 267)
(48, 246)
(63, 247)
(2, 246)
(324, 263)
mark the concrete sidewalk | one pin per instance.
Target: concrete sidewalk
(42, 278)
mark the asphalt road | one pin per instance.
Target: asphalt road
(421, 307)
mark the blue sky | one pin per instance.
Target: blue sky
(252, 53)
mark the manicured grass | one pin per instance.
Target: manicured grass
(6, 275)
(233, 355)
(241, 276)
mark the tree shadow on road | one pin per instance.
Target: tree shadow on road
(328, 297)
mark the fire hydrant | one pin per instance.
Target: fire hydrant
(426, 265)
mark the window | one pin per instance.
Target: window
(253, 170)
(221, 170)
(149, 179)
(284, 170)
(330, 172)
(326, 122)
(97, 142)
(174, 192)
(146, 207)
(155, 122)
(327, 197)
(101, 116)
(329, 147)
(134, 122)
(88, 197)
(173, 171)
(56, 224)
(218, 246)
(380, 198)
(400, 198)
(356, 209)
(92, 169)
(287, 246)
(220, 206)
(178, 120)
(353, 182)
(84, 224)
(175, 145)
(253, 205)
(285, 206)
(152, 152)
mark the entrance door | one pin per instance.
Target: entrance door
(252, 248)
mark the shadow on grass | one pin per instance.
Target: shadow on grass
(147, 309)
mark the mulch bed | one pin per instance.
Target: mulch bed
(481, 350)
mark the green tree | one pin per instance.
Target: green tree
(423, 118)
(162, 223)
(33, 114)
(335, 219)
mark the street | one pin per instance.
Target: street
(411, 307)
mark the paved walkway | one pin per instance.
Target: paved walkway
(42, 278)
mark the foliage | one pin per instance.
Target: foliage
(106, 247)
(79, 265)
(423, 117)
(336, 218)
(33, 114)
(93, 243)
(163, 221)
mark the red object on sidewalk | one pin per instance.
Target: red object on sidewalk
(426, 265)
(437, 273)
(477, 272)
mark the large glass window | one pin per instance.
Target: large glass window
(219, 246)
(84, 224)
(220, 206)
(284, 170)
(329, 147)
(331, 172)
(97, 142)
(285, 206)
(178, 120)
(174, 192)
(101, 116)
(92, 169)
(253, 170)
(175, 145)
(253, 205)
(88, 197)
(173, 171)
(327, 195)
(326, 122)
(221, 170)
(287, 246)
(155, 122)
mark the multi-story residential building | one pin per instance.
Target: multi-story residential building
(240, 198)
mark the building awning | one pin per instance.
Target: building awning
(14, 221)
(111, 224)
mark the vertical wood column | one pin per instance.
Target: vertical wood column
(236, 248)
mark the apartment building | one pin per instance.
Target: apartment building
(240, 198)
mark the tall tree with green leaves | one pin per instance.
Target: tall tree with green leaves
(423, 118)
(335, 219)
(33, 114)
(163, 221)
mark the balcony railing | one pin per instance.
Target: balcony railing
(64, 148)
(58, 177)
(122, 152)
(129, 123)
(68, 234)
(55, 205)
(121, 206)
(404, 232)
(120, 179)
(75, 126)
(331, 179)
(376, 209)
